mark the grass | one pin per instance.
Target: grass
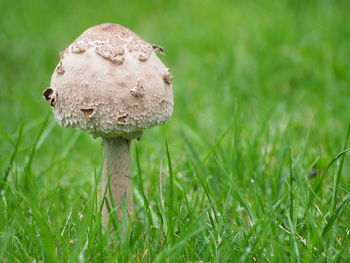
(253, 166)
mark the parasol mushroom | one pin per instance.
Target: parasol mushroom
(111, 83)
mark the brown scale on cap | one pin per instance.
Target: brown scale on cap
(61, 54)
(160, 49)
(122, 119)
(168, 78)
(138, 91)
(78, 48)
(87, 112)
(59, 68)
(47, 93)
(53, 102)
(112, 54)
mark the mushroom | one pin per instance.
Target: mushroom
(111, 83)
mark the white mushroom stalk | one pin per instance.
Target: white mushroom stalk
(111, 83)
(116, 176)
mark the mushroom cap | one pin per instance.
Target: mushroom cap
(111, 83)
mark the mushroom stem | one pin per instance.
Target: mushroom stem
(116, 171)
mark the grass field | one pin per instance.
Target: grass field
(256, 168)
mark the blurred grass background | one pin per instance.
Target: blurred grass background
(261, 108)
